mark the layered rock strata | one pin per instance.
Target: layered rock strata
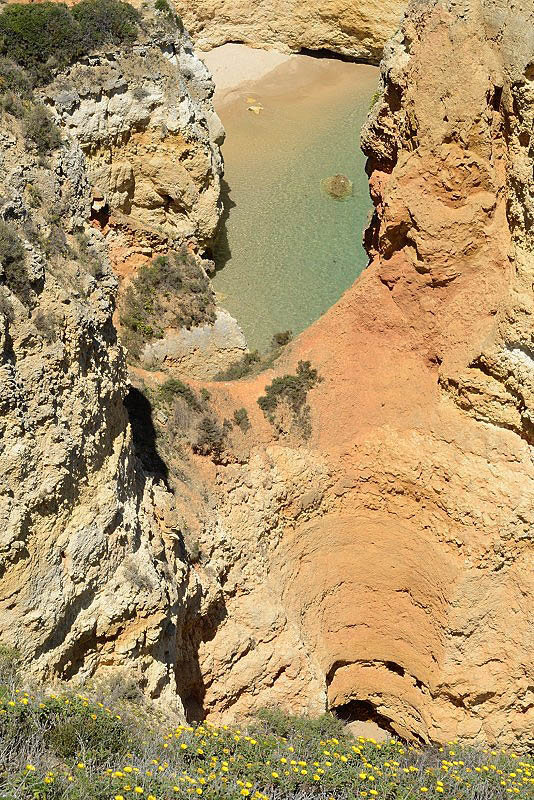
(93, 574)
(357, 29)
(380, 568)
(390, 557)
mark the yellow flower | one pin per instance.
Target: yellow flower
(138, 790)
(424, 788)
(151, 797)
(275, 774)
(30, 768)
(373, 791)
(199, 791)
(119, 797)
(81, 765)
(316, 777)
(245, 792)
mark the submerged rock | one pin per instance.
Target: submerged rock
(337, 186)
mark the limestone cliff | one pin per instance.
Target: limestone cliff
(356, 29)
(384, 568)
(93, 572)
(380, 567)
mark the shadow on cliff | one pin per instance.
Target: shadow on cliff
(221, 249)
(144, 433)
(198, 629)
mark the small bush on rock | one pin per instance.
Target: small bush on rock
(241, 419)
(240, 369)
(291, 391)
(173, 388)
(105, 22)
(12, 269)
(40, 129)
(211, 437)
(46, 37)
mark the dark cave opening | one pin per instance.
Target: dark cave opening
(324, 52)
(363, 711)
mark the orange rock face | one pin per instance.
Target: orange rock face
(385, 568)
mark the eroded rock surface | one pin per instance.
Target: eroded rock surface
(359, 29)
(93, 575)
(381, 567)
(390, 557)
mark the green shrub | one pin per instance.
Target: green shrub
(281, 339)
(240, 369)
(105, 22)
(12, 261)
(45, 37)
(14, 79)
(40, 37)
(292, 389)
(241, 419)
(40, 128)
(211, 437)
(175, 388)
(275, 722)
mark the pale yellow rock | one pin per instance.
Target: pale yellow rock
(357, 28)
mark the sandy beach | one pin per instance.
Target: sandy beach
(234, 66)
(243, 73)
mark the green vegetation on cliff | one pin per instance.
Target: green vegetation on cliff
(56, 746)
(45, 37)
(170, 292)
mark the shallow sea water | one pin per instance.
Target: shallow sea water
(289, 250)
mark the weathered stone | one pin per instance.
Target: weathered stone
(357, 29)
(337, 186)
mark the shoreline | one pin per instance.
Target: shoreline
(236, 66)
(241, 72)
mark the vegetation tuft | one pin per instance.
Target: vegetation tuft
(291, 391)
(173, 388)
(70, 747)
(170, 292)
(12, 261)
(241, 419)
(46, 37)
(239, 369)
(253, 363)
(211, 437)
(40, 129)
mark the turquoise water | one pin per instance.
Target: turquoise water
(290, 250)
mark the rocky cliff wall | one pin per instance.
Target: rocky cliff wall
(355, 29)
(380, 567)
(383, 568)
(93, 573)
